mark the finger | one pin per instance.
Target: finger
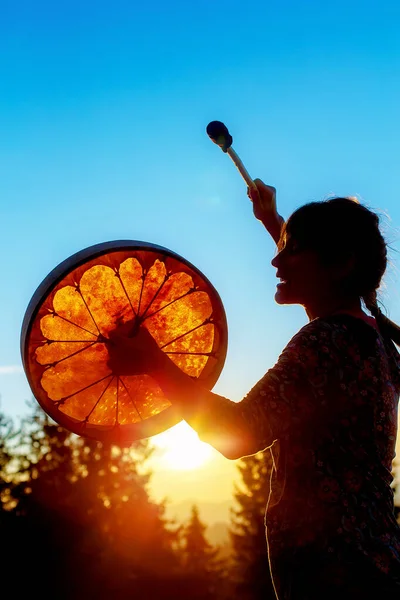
(260, 188)
(261, 184)
(253, 193)
(122, 330)
(117, 334)
(113, 336)
(126, 328)
(263, 187)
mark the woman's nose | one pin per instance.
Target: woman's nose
(275, 261)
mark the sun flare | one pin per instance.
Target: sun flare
(180, 449)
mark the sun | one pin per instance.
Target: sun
(180, 449)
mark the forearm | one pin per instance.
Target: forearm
(216, 419)
(274, 227)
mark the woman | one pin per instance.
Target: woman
(327, 410)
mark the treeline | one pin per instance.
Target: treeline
(77, 522)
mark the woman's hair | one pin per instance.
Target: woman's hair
(340, 230)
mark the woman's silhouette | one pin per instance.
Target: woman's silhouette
(327, 410)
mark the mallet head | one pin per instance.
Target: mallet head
(219, 134)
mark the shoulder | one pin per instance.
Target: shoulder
(319, 340)
(316, 332)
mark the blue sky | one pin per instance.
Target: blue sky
(103, 110)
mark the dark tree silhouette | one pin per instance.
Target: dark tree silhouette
(83, 524)
(38, 532)
(6, 470)
(250, 573)
(78, 523)
(201, 560)
(123, 520)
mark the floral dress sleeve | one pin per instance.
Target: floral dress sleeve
(286, 398)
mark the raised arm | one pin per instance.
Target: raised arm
(264, 208)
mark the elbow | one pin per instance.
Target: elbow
(235, 448)
(231, 448)
(239, 453)
(232, 443)
(230, 455)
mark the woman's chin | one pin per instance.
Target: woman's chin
(282, 296)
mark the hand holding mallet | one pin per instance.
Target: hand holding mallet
(263, 196)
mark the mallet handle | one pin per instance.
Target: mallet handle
(241, 168)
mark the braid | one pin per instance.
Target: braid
(387, 327)
(371, 302)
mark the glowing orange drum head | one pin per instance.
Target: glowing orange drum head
(65, 337)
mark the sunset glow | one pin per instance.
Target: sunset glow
(179, 449)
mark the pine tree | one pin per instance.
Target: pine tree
(7, 468)
(251, 574)
(6, 435)
(123, 520)
(84, 521)
(200, 559)
(7, 520)
(44, 530)
(199, 555)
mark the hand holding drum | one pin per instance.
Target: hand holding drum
(95, 330)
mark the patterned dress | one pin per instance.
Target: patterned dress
(327, 411)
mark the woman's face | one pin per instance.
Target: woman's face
(305, 280)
